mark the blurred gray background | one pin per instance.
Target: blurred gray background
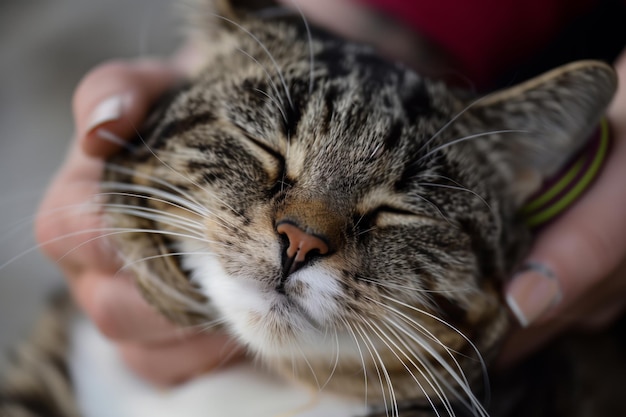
(45, 48)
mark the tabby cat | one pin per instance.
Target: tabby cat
(347, 220)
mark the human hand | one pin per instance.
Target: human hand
(108, 103)
(583, 255)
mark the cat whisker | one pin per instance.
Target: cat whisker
(459, 377)
(191, 202)
(391, 390)
(412, 289)
(450, 122)
(184, 200)
(262, 45)
(308, 364)
(336, 361)
(440, 320)
(358, 222)
(178, 173)
(433, 377)
(274, 102)
(156, 216)
(207, 326)
(153, 199)
(112, 231)
(128, 265)
(466, 138)
(347, 326)
(148, 192)
(435, 206)
(270, 80)
(363, 232)
(459, 188)
(395, 350)
(310, 42)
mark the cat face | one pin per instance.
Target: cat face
(338, 213)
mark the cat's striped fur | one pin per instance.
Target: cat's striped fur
(412, 188)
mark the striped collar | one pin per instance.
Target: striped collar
(559, 192)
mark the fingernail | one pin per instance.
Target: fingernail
(109, 136)
(108, 110)
(532, 293)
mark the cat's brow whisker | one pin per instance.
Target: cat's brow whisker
(274, 102)
(262, 45)
(310, 43)
(466, 138)
(450, 122)
(269, 78)
(459, 188)
(435, 206)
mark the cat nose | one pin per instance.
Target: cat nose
(301, 246)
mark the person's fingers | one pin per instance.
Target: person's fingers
(113, 99)
(592, 313)
(69, 226)
(173, 363)
(119, 311)
(586, 244)
(576, 252)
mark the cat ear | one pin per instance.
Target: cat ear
(553, 116)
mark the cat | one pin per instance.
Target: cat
(349, 221)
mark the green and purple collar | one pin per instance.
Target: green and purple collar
(559, 192)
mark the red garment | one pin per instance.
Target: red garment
(486, 37)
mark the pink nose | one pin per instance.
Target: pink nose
(301, 244)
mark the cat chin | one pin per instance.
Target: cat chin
(276, 325)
